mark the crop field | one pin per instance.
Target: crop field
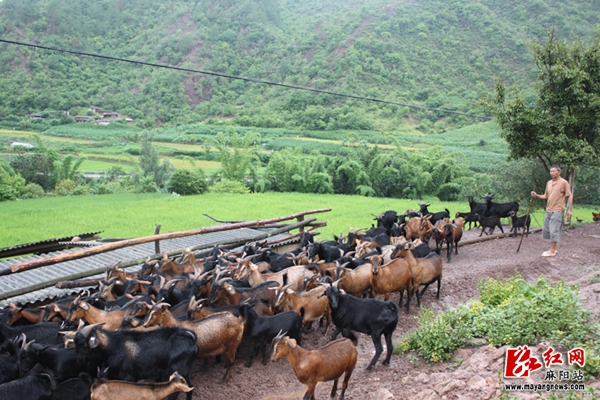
(480, 143)
(132, 215)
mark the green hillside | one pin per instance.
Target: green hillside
(435, 53)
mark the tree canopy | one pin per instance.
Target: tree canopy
(563, 125)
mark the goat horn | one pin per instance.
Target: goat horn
(220, 282)
(171, 283)
(88, 329)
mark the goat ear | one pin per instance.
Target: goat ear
(291, 342)
(84, 305)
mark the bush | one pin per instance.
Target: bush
(187, 182)
(67, 187)
(10, 185)
(232, 187)
(511, 312)
(32, 191)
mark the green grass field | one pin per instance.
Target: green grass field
(131, 215)
(481, 143)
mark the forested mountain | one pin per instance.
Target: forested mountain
(435, 53)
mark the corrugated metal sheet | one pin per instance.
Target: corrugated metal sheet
(39, 282)
(42, 246)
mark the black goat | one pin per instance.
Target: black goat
(477, 208)
(60, 363)
(370, 316)
(469, 217)
(489, 222)
(135, 355)
(501, 210)
(46, 332)
(262, 330)
(434, 216)
(9, 368)
(519, 222)
(32, 387)
(325, 252)
(386, 220)
(74, 389)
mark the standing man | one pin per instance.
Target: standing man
(557, 193)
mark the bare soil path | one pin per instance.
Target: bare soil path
(411, 378)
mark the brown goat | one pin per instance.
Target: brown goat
(321, 365)
(392, 277)
(83, 310)
(216, 334)
(596, 216)
(355, 281)
(424, 271)
(315, 304)
(295, 275)
(419, 228)
(33, 315)
(123, 390)
(168, 266)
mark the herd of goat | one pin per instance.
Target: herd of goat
(138, 336)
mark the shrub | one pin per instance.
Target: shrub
(511, 312)
(186, 182)
(32, 191)
(232, 187)
(67, 187)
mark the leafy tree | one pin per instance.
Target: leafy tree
(152, 165)
(563, 125)
(187, 182)
(236, 153)
(67, 167)
(38, 166)
(11, 183)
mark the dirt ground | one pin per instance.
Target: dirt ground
(407, 376)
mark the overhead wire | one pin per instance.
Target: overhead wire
(247, 79)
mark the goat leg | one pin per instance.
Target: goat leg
(378, 349)
(334, 388)
(390, 347)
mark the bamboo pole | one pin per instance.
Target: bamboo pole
(131, 242)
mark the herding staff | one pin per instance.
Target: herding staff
(528, 218)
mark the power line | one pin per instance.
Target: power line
(270, 83)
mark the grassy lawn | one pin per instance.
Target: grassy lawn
(131, 215)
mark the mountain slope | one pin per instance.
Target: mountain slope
(434, 53)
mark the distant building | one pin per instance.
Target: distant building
(96, 109)
(37, 116)
(83, 118)
(110, 114)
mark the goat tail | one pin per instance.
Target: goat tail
(393, 307)
(302, 312)
(353, 338)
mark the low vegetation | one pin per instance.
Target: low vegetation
(553, 313)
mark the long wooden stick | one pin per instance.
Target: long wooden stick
(525, 225)
(67, 284)
(131, 242)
